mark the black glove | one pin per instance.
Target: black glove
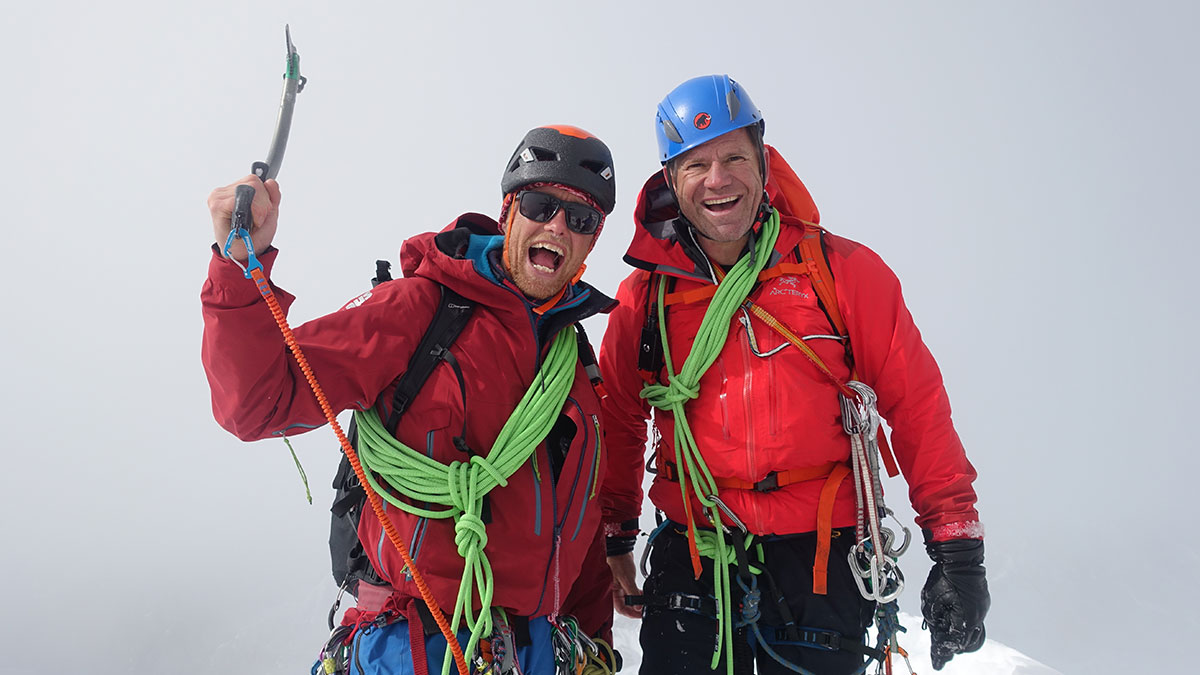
(955, 598)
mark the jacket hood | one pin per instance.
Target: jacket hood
(458, 257)
(444, 256)
(661, 240)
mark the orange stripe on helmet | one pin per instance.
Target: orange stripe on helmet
(568, 130)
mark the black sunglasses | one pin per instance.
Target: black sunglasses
(541, 207)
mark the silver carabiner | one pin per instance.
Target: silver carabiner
(889, 537)
(860, 416)
(729, 512)
(883, 574)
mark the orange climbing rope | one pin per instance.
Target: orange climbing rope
(264, 287)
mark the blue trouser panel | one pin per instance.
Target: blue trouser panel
(385, 651)
(681, 642)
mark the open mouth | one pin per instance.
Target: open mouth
(721, 205)
(545, 257)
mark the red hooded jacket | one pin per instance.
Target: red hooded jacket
(758, 414)
(544, 523)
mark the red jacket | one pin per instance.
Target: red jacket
(541, 530)
(756, 415)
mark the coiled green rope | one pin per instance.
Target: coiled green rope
(460, 487)
(685, 386)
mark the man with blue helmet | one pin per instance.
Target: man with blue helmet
(765, 350)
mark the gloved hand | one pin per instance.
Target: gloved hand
(955, 599)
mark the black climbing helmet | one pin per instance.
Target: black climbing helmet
(567, 155)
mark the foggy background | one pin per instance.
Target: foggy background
(1028, 169)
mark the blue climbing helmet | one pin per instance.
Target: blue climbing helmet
(701, 109)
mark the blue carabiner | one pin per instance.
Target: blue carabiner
(240, 229)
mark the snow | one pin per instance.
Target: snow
(993, 658)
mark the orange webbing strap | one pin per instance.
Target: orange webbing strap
(264, 287)
(693, 548)
(796, 341)
(664, 468)
(820, 275)
(777, 479)
(825, 527)
(706, 292)
(821, 278)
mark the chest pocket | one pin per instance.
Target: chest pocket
(558, 443)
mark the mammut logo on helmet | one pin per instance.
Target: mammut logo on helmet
(702, 120)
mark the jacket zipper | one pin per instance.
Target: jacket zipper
(748, 411)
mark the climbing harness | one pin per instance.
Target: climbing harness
(253, 269)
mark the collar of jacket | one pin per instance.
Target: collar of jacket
(663, 242)
(463, 256)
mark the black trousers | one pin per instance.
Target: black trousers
(681, 641)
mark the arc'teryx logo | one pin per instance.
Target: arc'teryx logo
(702, 120)
(789, 285)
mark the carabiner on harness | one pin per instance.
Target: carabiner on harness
(571, 647)
(878, 577)
(497, 655)
(730, 514)
(873, 557)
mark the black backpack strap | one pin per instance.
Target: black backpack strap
(650, 351)
(587, 357)
(349, 560)
(448, 321)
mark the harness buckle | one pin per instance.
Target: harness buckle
(825, 640)
(768, 484)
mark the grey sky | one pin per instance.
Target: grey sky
(1027, 168)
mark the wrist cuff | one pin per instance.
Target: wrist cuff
(965, 529)
(627, 528)
(618, 545)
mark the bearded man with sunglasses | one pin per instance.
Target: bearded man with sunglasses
(763, 323)
(544, 547)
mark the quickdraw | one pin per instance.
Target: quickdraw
(874, 557)
(577, 654)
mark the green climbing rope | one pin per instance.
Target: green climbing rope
(685, 386)
(459, 487)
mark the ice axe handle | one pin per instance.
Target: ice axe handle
(243, 197)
